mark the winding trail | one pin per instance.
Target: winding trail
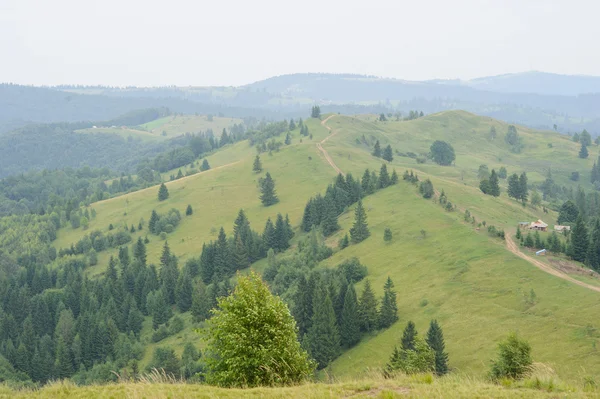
(323, 150)
(512, 247)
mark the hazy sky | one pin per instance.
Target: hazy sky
(233, 42)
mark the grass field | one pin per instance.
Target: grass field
(175, 125)
(456, 274)
(418, 386)
(125, 132)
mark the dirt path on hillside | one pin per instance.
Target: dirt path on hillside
(167, 183)
(512, 247)
(323, 150)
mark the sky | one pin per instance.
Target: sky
(235, 42)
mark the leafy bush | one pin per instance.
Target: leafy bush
(419, 360)
(514, 359)
(426, 189)
(353, 270)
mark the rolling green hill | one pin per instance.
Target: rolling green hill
(454, 272)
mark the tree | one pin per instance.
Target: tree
(139, 252)
(163, 192)
(292, 125)
(579, 241)
(442, 153)
(154, 218)
(494, 185)
(536, 199)
(512, 139)
(387, 235)
(349, 320)
(388, 155)
(179, 174)
(315, 112)
(257, 165)
(360, 229)
(189, 211)
(493, 132)
(593, 255)
(408, 336)
(329, 224)
(205, 166)
(568, 213)
(426, 189)
(384, 177)
(165, 359)
(268, 196)
(394, 178)
(523, 191)
(377, 150)
(502, 173)
(367, 308)
(483, 173)
(583, 152)
(388, 313)
(420, 359)
(382, 117)
(323, 339)
(252, 339)
(184, 291)
(514, 359)
(585, 138)
(435, 340)
(513, 186)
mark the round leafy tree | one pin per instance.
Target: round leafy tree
(442, 153)
(252, 339)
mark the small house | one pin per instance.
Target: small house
(541, 252)
(538, 225)
(560, 228)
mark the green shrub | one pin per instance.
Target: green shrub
(514, 359)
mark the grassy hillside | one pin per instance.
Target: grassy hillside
(419, 386)
(456, 274)
(175, 125)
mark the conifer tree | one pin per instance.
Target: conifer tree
(268, 196)
(240, 254)
(513, 186)
(200, 303)
(269, 235)
(494, 186)
(281, 233)
(288, 139)
(579, 241)
(394, 178)
(189, 211)
(179, 174)
(292, 124)
(205, 166)
(223, 264)
(367, 309)
(329, 225)
(583, 152)
(163, 192)
(365, 183)
(523, 190)
(161, 312)
(257, 165)
(435, 340)
(184, 291)
(377, 150)
(593, 255)
(388, 313)
(384, 177)
(360, 229)
(388, 155)
(349, 320)
(409, 336)
(323, 337)
(124, 256)
(64, 363)
(303, 306)
(152, 223)
(139, 252)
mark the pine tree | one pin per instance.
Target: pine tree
(292, 125)
(583, 152)
(257, 166)
(513, 186)
(223, 264)
(315, 112)
(523, 190)
(268, 196)
(394, 178)
(64, 363)
(323, 337)
(384, 177)
(579, 241)
(152, 223)
(360, 229)
(240, 254)
(269, 236)
(161, 312)
(124, 256)
(435, 340)
(281, 234)
(388, 313)
(494, 186)
(388, 155)
(139, 252)
(200, 303)
(409, 336)
(303, 305)
(179, 174)
(184, 292)
(163, 192)
(367, 308)
(377, 150)
(189, 211)
(365, 183)
(330, 225)
(349, 320)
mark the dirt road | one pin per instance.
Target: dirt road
(323, 150)
(512, 247)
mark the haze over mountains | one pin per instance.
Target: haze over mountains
(535, 99)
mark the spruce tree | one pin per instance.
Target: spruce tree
(409, 336)
(367, 309)
(579, 241)
(365, 183)
(269, 236)
(201, 305)
(179, 174)
(388, 155)
(184, 292)
(288, 139)
(583, 152)
(377, 150)
(205, 166)
(330, 225)
(152, 223)
(281, 234)
(384, 177)
(394, 178)
(189, 211)
(523, 190)
(513, 186)
(349, 320)
(323, 337)
(435, 340)
(223, 262)
(593, 255)
(268, 196)
(163, 192)
(303, 305)
(494, 186)
(360, 229)
(388, 313)
(240, 254)
(161, 312)
(257, 165)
